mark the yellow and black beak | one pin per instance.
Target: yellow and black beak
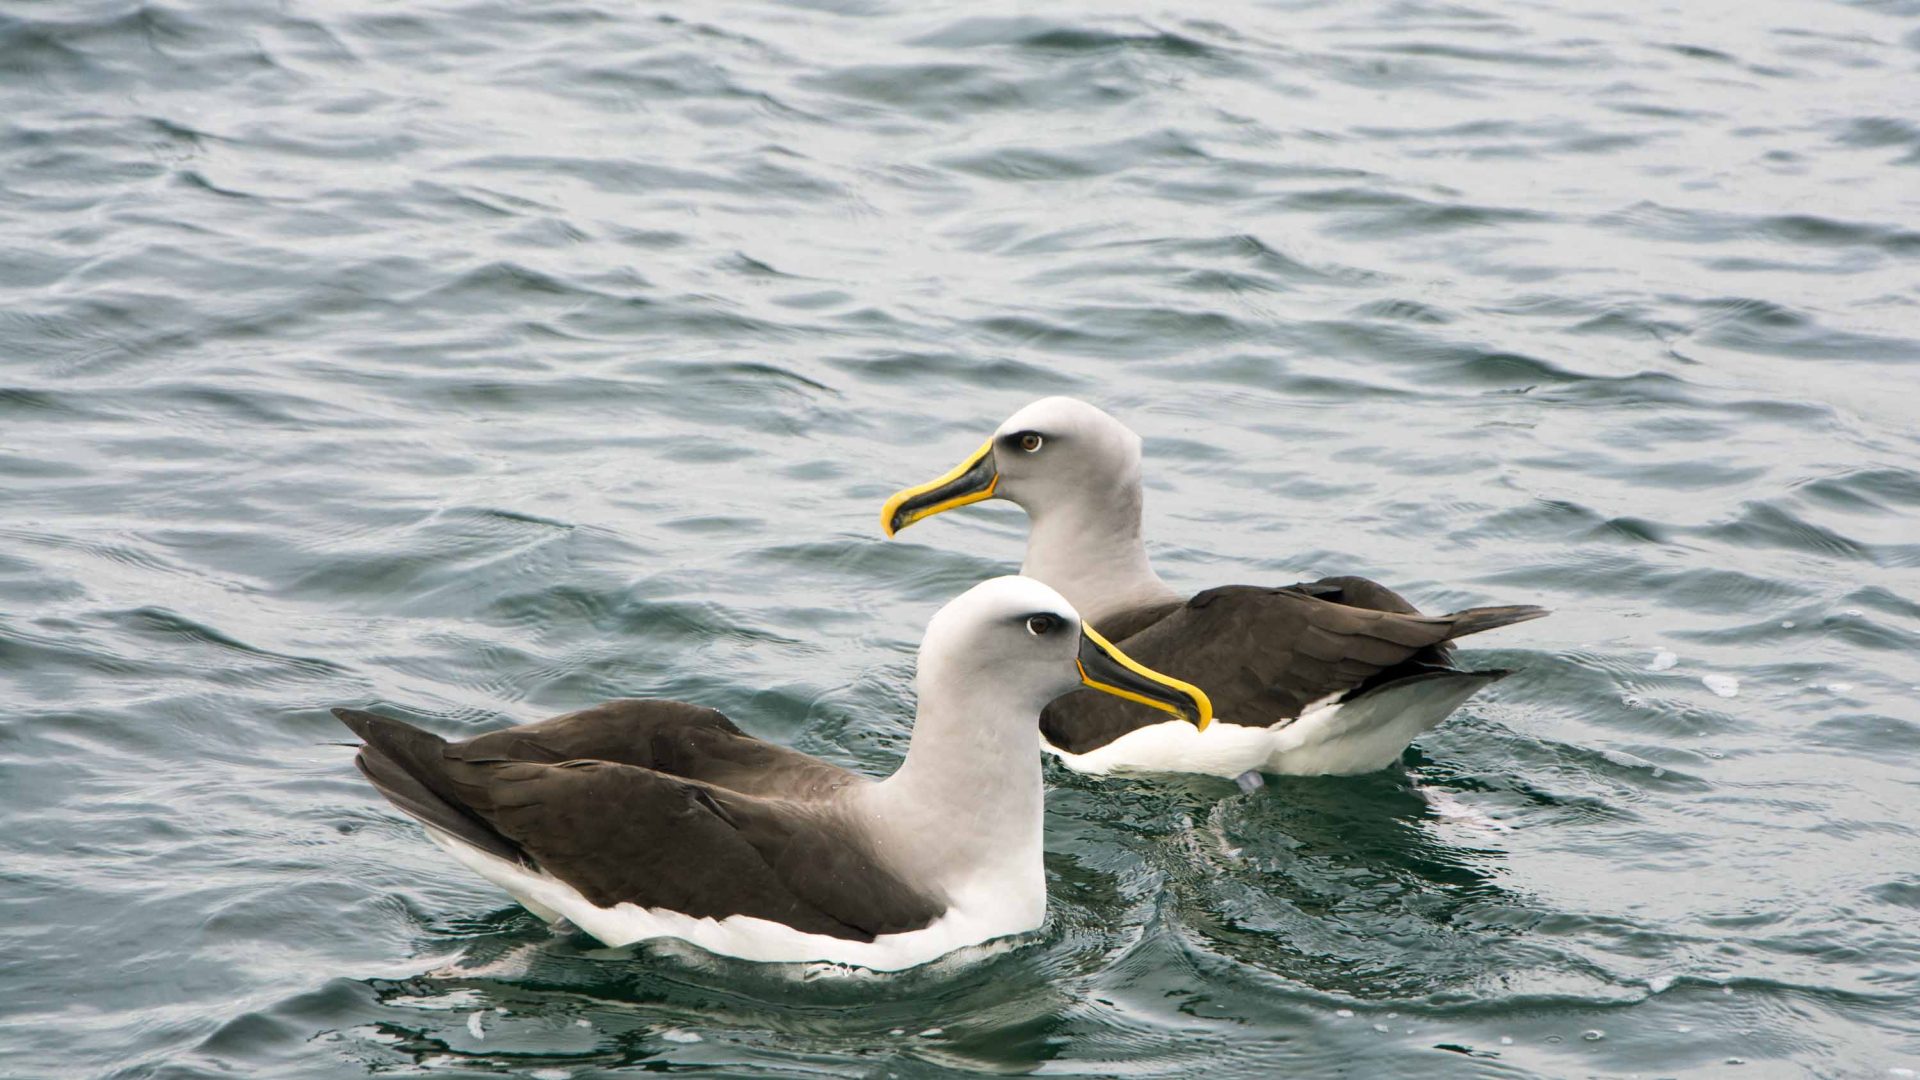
(968, 482)
(1106, 668)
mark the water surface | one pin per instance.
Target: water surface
(477, 361)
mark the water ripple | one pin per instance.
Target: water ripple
(477, 361)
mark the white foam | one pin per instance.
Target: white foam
(1452, 810)
(1663, 660)
(1839, 687)
(1723, 685)
(474, 1026)
(681, 1035)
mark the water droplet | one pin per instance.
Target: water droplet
(1839, 687)
(1344, 1014)
(1506, 1040)
(1736, 1061)
(1555, 1040)
(898, 1031)
(1853, 613)
(1684, 1028)
(1723, 685)
(1786, 624)
(931, 1032)
(1593, 1035)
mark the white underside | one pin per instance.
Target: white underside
(977, 915)
(1360, 736)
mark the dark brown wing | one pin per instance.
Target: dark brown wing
(623, 832)
(672, 737)
(1363, 593)
(1357, 592)
(620, 833)
(1263, 654)
(1122, 625)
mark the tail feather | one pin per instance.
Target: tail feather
(1474, 620)
(407, 765)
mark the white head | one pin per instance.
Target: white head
(1019, 643)
(965, 805)
(1058, 455)
(1060, 451)
(1076, 472)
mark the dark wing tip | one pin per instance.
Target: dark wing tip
(358, 721)
(376, 729)
(404, 763)
(1476, 620)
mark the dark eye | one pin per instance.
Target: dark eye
(1031, 441)
(1039, 625)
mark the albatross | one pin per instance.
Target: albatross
(1335, 676)
(648, 819)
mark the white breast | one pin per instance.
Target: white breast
(1328, 739)
(1224, 750)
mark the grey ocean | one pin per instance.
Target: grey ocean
(477, 361)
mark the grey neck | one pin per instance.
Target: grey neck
(966, 804)
(1089, 548)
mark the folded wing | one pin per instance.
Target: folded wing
(1264, 655)
(630, 803)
